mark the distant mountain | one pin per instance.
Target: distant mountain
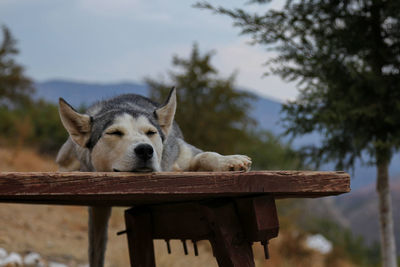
(79, 93)
(360, 209)
(265, 111)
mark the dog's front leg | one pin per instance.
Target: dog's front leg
(211, 161)
(98, 224)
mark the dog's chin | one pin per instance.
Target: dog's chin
(143, 169)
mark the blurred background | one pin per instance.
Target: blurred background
(86, 51)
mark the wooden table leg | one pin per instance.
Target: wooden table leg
(258, 217)
(230, 246)
(140, 241)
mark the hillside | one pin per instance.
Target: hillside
(360, 210)
(78, 93)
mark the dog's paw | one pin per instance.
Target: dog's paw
(235, 163)
(214, 162)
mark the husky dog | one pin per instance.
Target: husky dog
(130, 133)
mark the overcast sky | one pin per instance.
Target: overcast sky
(127, 40)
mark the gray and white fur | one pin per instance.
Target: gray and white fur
(130, 133)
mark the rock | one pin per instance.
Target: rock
(319, 243)
(33, 259)
(12, 260)
(3, 253)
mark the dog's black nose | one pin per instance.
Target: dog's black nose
(144, 151)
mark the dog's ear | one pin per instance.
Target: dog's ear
(165, 114)
(78, 125)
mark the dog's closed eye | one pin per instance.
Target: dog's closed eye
(150, 133)
(115, 132)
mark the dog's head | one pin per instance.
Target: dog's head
(121, 138)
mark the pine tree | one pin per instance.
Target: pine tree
(15, 87)
(211, 113)
(345, 56)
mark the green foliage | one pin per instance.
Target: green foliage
(344, 55)
(211, 113)
(48, 132)
(36, 124)
(268, 152)
(15, 87)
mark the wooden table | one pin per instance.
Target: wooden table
(230, 209)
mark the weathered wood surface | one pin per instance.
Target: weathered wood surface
(127, 189)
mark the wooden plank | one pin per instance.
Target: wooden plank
(127, 189)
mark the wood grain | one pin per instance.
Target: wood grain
(127, 189)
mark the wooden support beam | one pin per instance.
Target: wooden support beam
(258, 217)
(140, 240)
(230, 245)
(127, 189)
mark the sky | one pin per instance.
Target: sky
(127, 40)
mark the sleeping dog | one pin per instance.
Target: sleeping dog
(130, 133)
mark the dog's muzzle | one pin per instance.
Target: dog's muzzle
(144, 152)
